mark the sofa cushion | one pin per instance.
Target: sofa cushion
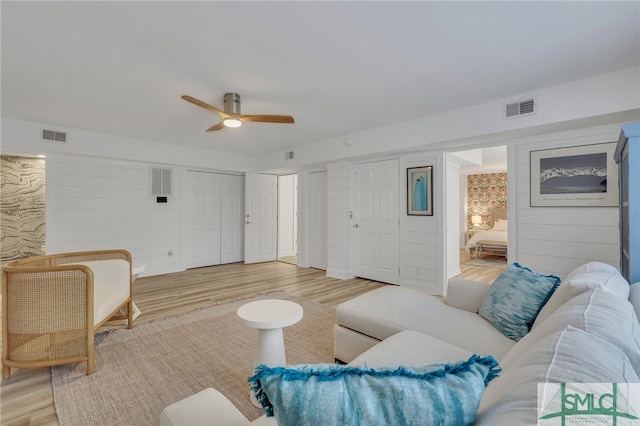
(111, 285)
(634, 297)
(466, 294)
(411, 348)
(331, 394)
(596, 311)
(386, 311)
(515, 298)
(567, 356)
(206, 406)
(585, 277)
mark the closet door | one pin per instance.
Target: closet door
(202, 219)
(232, 223)
(261, 218)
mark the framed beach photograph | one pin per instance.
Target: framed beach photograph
(420, 191)
(579, 176)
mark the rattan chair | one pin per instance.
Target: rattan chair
(49, 312)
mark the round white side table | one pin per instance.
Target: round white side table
(269, 317)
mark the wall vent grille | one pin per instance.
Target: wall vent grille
(52, 135)
(516, 109)
(288, 155)
(160, 181)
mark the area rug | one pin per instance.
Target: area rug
(141, 371)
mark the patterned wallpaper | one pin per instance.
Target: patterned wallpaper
(22, 207)
(484, 193)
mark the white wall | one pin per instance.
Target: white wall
(22, 137)
(605, 99)
(554, 240)
(108, 170)
(94, 204)
(452, 212)
(421, 237)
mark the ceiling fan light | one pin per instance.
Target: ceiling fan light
(232, 122)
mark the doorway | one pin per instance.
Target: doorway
(481, 188)
(288, 218)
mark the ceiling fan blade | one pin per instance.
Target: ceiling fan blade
(218, 126)
(204, 105)
(286, 119)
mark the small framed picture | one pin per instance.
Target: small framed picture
(578, 176)
(420, 191)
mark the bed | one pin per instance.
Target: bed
(492, 241)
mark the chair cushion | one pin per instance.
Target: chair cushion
(331, 394)
(111, 285)
(515, 298)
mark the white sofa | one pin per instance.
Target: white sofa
(587, 332)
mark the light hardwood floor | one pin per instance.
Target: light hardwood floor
(26, 398)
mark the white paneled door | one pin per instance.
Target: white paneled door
(202, 219)
(261, 221)
(376, 222)
(231, 221)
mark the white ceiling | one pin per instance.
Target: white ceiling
(337, 67)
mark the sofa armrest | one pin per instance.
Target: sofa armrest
(466, 294)
(207, 407)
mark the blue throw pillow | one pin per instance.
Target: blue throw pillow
(332, 394)
(515, 299)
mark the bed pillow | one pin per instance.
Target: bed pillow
(515, 299)
(500, 225)
(331, 394)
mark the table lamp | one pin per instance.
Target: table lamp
(476, 220)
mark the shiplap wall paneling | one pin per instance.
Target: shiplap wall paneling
(304, 238)
(100, 204)
(555, 240)
(339, 220)
(452, 212)
(318, 220)
(419, 258)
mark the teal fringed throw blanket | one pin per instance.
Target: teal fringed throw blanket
(331, 394)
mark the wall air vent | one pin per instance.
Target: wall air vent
(516, 109)
(160, 181)
(52, 135)
(288, 155)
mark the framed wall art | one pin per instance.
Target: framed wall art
(579, 176)
(420, 191)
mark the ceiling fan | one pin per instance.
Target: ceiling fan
(231, 115)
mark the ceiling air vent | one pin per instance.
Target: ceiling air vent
(516, 109)
(52, 135)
